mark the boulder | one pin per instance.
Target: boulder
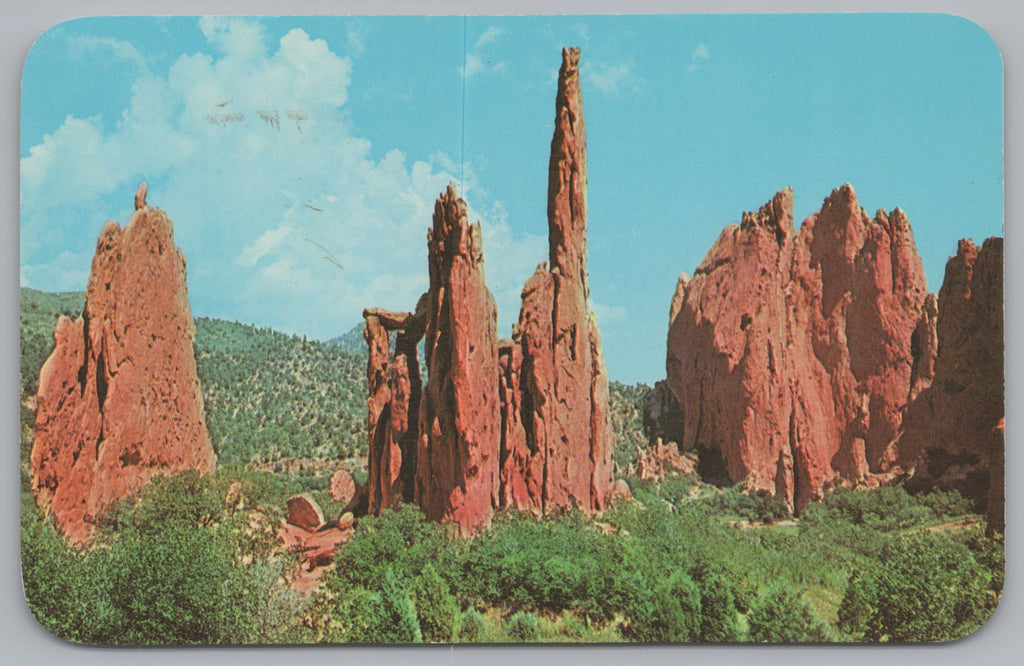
(119, 399)
(343, 486)
(304, 512)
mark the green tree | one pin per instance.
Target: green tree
(717, 609)
(781, 616)
(670, 612)
(930, 589)
(436, 608)
(473, 628)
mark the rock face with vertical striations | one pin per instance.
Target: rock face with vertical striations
(793, 354)
(457, 464)
(119, 400)
(564, 403)
(523, 422)
(954, 427)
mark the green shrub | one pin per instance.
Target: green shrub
(670, 612)
(552, 564)
(524, 628)
(401, 616)
(781, 616)
(402, 540)
(67, 592)
(717, 609)
(929, 589)
(858, 605)
(436, 608)
(473, 627)
(384, 616)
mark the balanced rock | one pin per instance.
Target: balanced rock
(791, 353)
(119, 399)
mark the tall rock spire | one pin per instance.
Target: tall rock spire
(459, 420)
(566, 404)
(119, 399)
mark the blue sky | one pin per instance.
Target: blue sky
(282, 147)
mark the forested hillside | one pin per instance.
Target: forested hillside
(270, 395)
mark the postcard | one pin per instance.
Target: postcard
(494, 329)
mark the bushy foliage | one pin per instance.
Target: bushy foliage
(886, 509)
(781, 616)
(402, 540)
(436, 608)
(929, 589)
(524, 628)
(669, 611)
(761, 507)
(165, 569)
(717, 608)
(68, 593)
(552, 564)
(473, 627)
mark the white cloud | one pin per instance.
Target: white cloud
(608, 78)
(487, 37)
(699, 57)
(607, 313)
(118, 48)
(286, 217)
(476, 62)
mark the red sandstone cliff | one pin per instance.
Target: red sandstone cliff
(954, 427)
(119, 400)
(791, 353)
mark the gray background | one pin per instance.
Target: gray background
(22, 640)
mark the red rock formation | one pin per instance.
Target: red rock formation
(315, 550)
(457, 470)
(562, 376)
(393, 405)
(119, 400)
(954, 426)
(791, 352)
(525, 425)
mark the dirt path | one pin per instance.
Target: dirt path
(959, 524)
